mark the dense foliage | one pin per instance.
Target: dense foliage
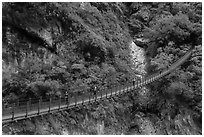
(58, 47)
(171, 29)
(52, 48)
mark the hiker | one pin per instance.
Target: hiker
(66, 97)
(134, 81)
(94, 90)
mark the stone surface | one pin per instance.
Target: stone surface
(138, 58)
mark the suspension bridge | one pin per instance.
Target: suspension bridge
(36, 107)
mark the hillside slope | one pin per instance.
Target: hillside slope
(53, 49)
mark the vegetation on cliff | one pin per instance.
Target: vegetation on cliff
(52, 48)
(170, 29)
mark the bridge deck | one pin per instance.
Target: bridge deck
(28, 109)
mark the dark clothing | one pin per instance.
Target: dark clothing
(67, 97)
(94, 90)
(134, 82)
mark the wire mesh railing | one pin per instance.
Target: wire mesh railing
(22, 109)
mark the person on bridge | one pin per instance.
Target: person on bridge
(134, 80)
(94, 90)
(67, 97)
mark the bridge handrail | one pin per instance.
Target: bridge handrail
(49, 103)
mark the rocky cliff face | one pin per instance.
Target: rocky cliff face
(74, 45)
(138, 58)
(85, 44)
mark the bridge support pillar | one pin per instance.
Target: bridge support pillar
(13, 108)
(75, 98)
(39, 104)
(27, 107)
(50, 104)
(59, 103)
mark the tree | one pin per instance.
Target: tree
(170, 36)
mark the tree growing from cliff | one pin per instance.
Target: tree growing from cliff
(46, 41)
(170, 36)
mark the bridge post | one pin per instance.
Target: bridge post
(126, 88)
(141, 82)
(67, 100)
(89, 97)
(13, 109)
(17, 102)
(27, 107)
(30, 103)
(112, 91)
(144, 81)
(129, 88)
(148, 81)
(133, 83)
(82, 98)
(59, 102)
(101, 94)
(121, 90)
(49, 104)
(120, 93)
(40, 101)
(116, 90)
(106, 90)
(75, 99)
(138, 81)
(96, 96)
(39, 105)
